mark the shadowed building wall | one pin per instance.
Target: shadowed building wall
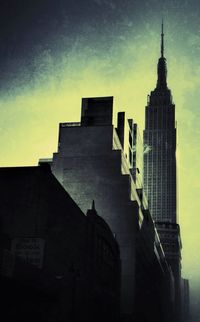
(91, 163)
(56, 263)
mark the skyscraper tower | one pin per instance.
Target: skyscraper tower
(160, 168)
(160, 139)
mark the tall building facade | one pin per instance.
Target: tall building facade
(160, 168)
(90, 163)
(96, 161)
(160, 138)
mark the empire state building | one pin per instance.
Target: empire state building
(160, 169)
(160, 141)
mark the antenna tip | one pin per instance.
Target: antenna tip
(162, 25)
(93, 205)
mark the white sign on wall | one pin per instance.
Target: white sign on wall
(30, 249)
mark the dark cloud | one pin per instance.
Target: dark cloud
(31, 29)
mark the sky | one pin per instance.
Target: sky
(54, 52)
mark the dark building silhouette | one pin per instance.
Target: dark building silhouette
(90, 163)
(185, 294)
(154, 278)
(93, 162)
(56, 263)
(160, 169)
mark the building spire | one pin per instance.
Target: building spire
(92, 211)
(93, 205)
(162, 66)
(162, 41)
